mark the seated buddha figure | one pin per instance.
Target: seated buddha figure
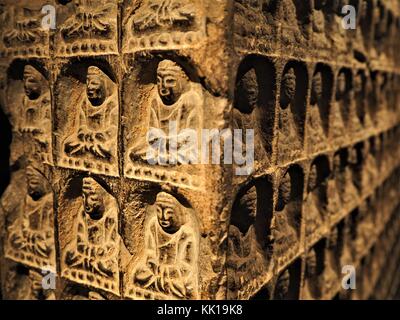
(289, 139)
(96, 124)
(318, 103)
(96, 246)
(32, 232)
(369, 173)
(284, 235)
(340, 108)
(175, 114)
(319, 23)
(169, 264)
(335, 186)
(36, 107)
(315, 202)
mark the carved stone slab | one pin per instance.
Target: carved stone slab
(90, 254)
(30, 105)
(87, 27)
(87, 125)
(164, 24)
(167, 112)
(30, 236)
(167, 267)
(21, 32)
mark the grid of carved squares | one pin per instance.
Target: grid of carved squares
(302, 96)
(377, 27)
(303, 111)
(386, 286)
(365, 237)
(92, 27)
(69, 110)
(299, 109)
(298, 28)
(301, 211)
(290, 121)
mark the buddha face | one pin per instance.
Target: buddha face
(32, 83)
(36, 187)
(313, 178)
(353, 157)
(92, 200)
(311, 267)
(247, 92)
(284, 192)
(358, 83)
(341, 86)
(337, 163)
(316, 92)
(95, 89)
(288, 88)
(167, 215)
(334, 237)
(171, 82)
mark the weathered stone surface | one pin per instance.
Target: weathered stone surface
(82, 104)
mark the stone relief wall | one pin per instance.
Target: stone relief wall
(83, 198)
(322, 144)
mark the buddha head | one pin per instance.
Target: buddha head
(341, 86)
(33, 81)
(317, 88)
(284, 192)
(311, 264)
(172, 81)
(96, 86)
(169, 212)
(93, 199)
(247, 92)
(282, 285)
(313, 178)
(37, 185)
(288, 88)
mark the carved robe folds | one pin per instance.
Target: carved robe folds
(167, 144)
(31, 236)
(35, 122)
(92, 256)
(95, 130)
(184, 114)
(90, 144)
(314, 219)
(168, 266)
(284, 236)
(289, 141)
